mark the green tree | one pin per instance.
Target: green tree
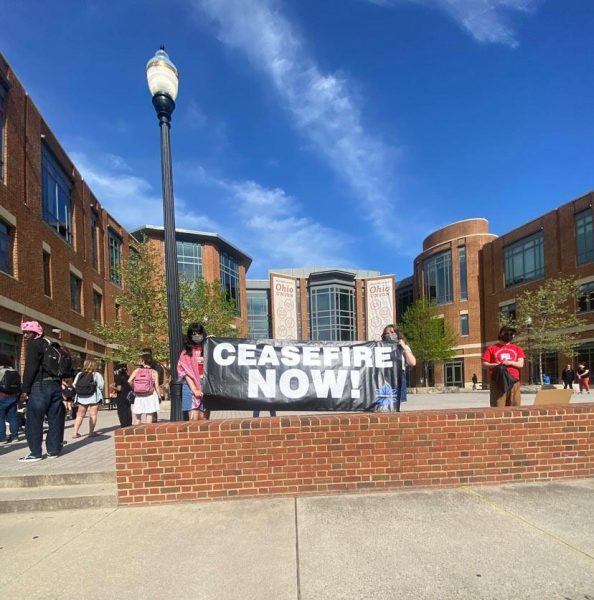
(205, 302)
(431, 337)
(546, 320)
(143, 302)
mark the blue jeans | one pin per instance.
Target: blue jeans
(44, 400)
(8, 410)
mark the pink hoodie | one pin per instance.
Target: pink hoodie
(188, 366)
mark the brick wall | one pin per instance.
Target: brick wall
(351, 452)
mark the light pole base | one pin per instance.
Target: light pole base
(175, 393)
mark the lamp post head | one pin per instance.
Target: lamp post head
(161, 75)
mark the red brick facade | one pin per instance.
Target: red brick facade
(22, 293)
(352, 452)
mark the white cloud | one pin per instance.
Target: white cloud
(321, 104)
(486, 20)
(129, 198)
(266, 223)
(272, 220)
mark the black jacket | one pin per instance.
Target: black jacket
(33, 362)
(502, 378)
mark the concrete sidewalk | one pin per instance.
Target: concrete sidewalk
(524, 541)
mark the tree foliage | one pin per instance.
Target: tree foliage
(431, 338)
(546, 320)
(143, 303)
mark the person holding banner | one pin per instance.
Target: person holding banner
(392, 334)
(190, 367)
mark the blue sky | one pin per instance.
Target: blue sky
(320, 132)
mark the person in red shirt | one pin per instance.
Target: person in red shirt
(510, 355)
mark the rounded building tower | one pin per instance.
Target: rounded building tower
(447, 272)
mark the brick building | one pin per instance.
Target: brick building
(60, 251)
(209, 256)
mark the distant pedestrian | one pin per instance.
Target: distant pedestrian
(568, 377)
(44, 368)
(474, 380)
(145, 385)
(158, 367)
(68, 395)
(504, 360)
(10, 390)
(583, 375)
(123, 390)
(190, 367)
(89, 385)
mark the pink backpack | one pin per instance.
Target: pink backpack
(144, 384)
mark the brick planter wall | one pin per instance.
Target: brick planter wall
(352, 452)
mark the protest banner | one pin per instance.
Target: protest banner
(290, 375)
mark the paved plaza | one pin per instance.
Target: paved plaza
(97, 454)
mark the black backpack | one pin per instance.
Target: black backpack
(57, 362)
(85, 384)
(10, 381)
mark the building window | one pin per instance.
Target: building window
(507, 312)
(6, 248)
(75, 293)
(586, 297)
(95, 240)
(47, 274)
(524, 260)
(404, 298)
(463, 277)
(118, 311)
(97, 306)
(55, 193)
(438, 277)
(454, 372)
(115, 257)
(584, 236)
(332, 314)
(189, 260)
(463, 324)
(258, 314)
(230, 279)
(2, 129)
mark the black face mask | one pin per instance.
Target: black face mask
(507, 337)
(197, 339)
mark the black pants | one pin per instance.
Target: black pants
(568, 384)
(44, 400)
(124, 411)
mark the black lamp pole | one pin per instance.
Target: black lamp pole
(165, 106)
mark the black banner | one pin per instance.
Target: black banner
(287, 375)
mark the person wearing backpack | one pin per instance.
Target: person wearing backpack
(10, 390)
(88, 385)
(145, 385)
(45, 365)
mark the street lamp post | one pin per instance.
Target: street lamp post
(163, 83)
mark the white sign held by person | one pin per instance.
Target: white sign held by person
(252, 374)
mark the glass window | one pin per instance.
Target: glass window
(230, 279)
(454, 372)
(404, 298)
(463, 324)
(47, 274)
(507, 312)
(586, 297)
(55, 192)
(463, 278)
(524, 260)
(258, 314)
(115, 257)
(189, 260)
(95, 240)
(2, 128)
(6, 247)
(438, 277)
(97, 306)
(75, 293)
(584, 236)
(332, 313)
